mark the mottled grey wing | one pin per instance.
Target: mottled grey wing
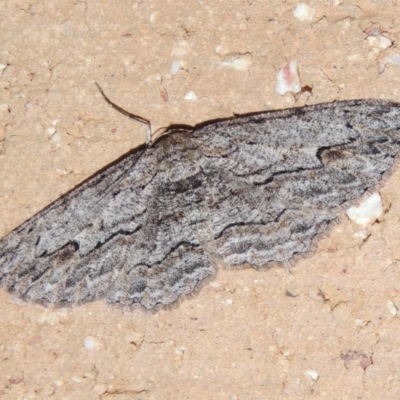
(123, 235)
(253, 190)
(275, 180)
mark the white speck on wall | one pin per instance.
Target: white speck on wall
(153, 17)
(92, 343)
(238, 61)
(288, 79)
(175, 67)
(392, 59)
(4, 107)
(287, 353)
(361, 323)
(312, 374)
(190, 96)
(52, 130)
(56, 138)
(368, 211)
(2, 67)
(303, 12)
(180, 350)
(392, 308)
(380, 41)
(362, 234)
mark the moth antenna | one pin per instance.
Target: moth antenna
(134, 117)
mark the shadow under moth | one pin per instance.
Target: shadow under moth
(253, 190)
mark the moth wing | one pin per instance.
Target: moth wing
(276, 179)
(117, 236)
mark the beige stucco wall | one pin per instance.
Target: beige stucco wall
(327, 328)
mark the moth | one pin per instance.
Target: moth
(253, 190)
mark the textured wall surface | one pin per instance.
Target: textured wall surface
(326, 328)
